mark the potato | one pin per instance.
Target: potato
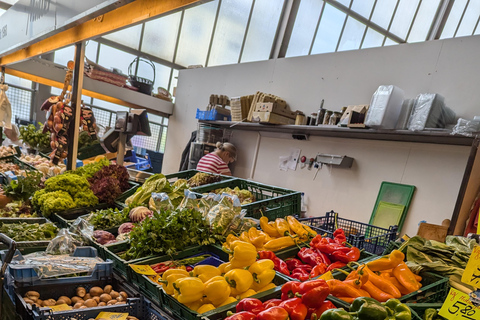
(49, 302)
(39, 302)
(105, 297)
(102, 304)
(120, 302)
(78, 305)
(33, 298)
(77, 299)
(90, 303)
(111, 302)
(107, 289)
(30, 294)
(28, 301)
(87, 296)
(96, 291)
(120, 298)
(81, 292)
(97, 299)
(83, 307)
(124, 295)
(60, 301)
(114, 294)
(66, 299)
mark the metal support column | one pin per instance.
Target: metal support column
(76, 105)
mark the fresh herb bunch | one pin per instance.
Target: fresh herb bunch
(108, 218)
(168, 232)
(24, 187)
(29, 232)
(85, 140)
(36, 139)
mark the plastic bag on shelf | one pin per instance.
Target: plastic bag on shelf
(160, 202)
(385, 107)
(430, 111)
(466, 127)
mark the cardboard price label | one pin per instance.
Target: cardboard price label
(457, 306)
(61, 307)
(471, 275)
(112, 316)
(143, 269)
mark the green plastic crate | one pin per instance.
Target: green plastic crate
(187, 174)
(273, 202)
(152, 289)
(419, 308)
(393, 245)
(14, 159)
(26, 247)
(180, 311)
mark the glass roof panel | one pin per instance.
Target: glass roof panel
(373, 39)
(469, 19)
(363, 7)
(423, 21)
(196, 34)
(162, 74)
(91, 50)
(129, 37)
(389, 42)
(229, 32)
(329, 30)
(453, 19)
(304, 28)
(403, 17)
(261, 31)
(352, 35)
(121, 61)
(160, 36)
(346, 3)
(382, 14)
(62, 56)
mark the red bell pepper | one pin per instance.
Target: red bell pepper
(308, 256)
(339, 236)
(266, 255)
(273, 313)
(352, 255)
(293, 263)
(300, 274)
(281, 266)
(324, 256)
(244, 315)
(272, 303)
(316, 313)
(319, 269)
(290, 289)
(336, 265)
(295, 308)
(314, 292)
(250, 304)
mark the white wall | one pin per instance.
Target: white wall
(449, 67)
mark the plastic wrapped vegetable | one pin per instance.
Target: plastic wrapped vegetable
(159, 202)
(189, 202)
(221, 215)
(156, 183)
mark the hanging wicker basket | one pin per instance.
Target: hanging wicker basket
(144, 85)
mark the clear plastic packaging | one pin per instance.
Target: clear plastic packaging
(221, 215)
(64, 243)
(430, 111)
(189, 202)
(385, 107)
(160, 202)
(83, 228)
(466, 127)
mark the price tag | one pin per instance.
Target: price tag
(471, 275)
(457, 306)
(112, 316)
(143, 269)
(60, 307)
(327, 276)
(156, 278)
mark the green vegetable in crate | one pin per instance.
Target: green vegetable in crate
(85, 140)
(156, 183)
(365, 308)
(17, 209)
(24, 187)
(89, 170)
(34, 138)
(107, 218)
(430, 314)
(244, 196)
(202, 178)
(29, 232)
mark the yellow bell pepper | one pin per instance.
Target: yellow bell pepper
(299, 228)
(225, 267)
(217, 290)
(269, 286)
(268, 228)
(243, 237)
(244, 254)
(188, 290)
(228, 301)
(282, 227)
(205, 272)
(246, 294)
(262, 272)
(205, 308)
(239, 279)
(168, 284)
(174, 271)
(195, 305)
(279, 243)
(256, 238)
(267, 237)
(231, 238)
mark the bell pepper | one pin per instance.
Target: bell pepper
(316, 313)
(308, 256)
(352, 255)
(205, 272)
(272, 303)
(339, 236)
(359, 274)
(262, 272)
(267, 237)
(246, 294)
(230, 238)
(336, 314)
(244, 254)
(341, 289)
(273, 313)
(290, 289)
(189, 289)
(268, 228)
(217, 290)
(279, 243)
(195, 305)
(282, 227)
(383, 284)
(281, 266)
(300, 274)
(225, 267)
(325, 258)
(430, 314)
(239, 279)
(174, 271)
(295, 308)
(293, 263)
(264, 254)
(336, 265)
(406, 277)
(319, 269)
(244, 315)
(205, 308)
(326, 246)
(168, 284)
(314, 292)
(367, 308)
(256, 238)
(315, 241)
(228, 301)
(244, 237)
(397, 284)
(387, 262)
(297, 228)
(250, 304)
(269, 286)
(375, 292)
(399, 310)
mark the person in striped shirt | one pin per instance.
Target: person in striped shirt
(217, 161)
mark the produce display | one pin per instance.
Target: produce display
(107, 218)
(109, 182)
(368, 308)
(35, 139)
(157, 183)
(29, 232)
(44, 165)
(201, 178)
(17, 209)
(80, 299)
(6, 151)
(9, 166)
(15, 197)
(244, 196)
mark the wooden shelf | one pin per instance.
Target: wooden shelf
(434, 136)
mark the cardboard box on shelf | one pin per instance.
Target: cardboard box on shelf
(274, 107)
(272, 118)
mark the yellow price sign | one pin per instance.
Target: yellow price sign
(457, 306)
(327, 276)
(112, 316)
(60, 307)
(143, 269)
(471, 275)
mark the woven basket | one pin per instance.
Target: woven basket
(144, 85)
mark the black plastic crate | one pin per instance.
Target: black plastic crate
(273, 202)
(361, 235)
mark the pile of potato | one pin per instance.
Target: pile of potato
(96, 297)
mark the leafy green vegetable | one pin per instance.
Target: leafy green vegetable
(29, 232)
(24, 187)
(156, 183)
(17, 209)
(36, 139)
(108, 218)
(89, 170)
(85, 140)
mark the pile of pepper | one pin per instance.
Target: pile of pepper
(382, 279)
(275, 235)
(207, 287)
(324, 254)
(364, 308)
(299, 301)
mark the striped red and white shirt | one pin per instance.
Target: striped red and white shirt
(214, 164)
